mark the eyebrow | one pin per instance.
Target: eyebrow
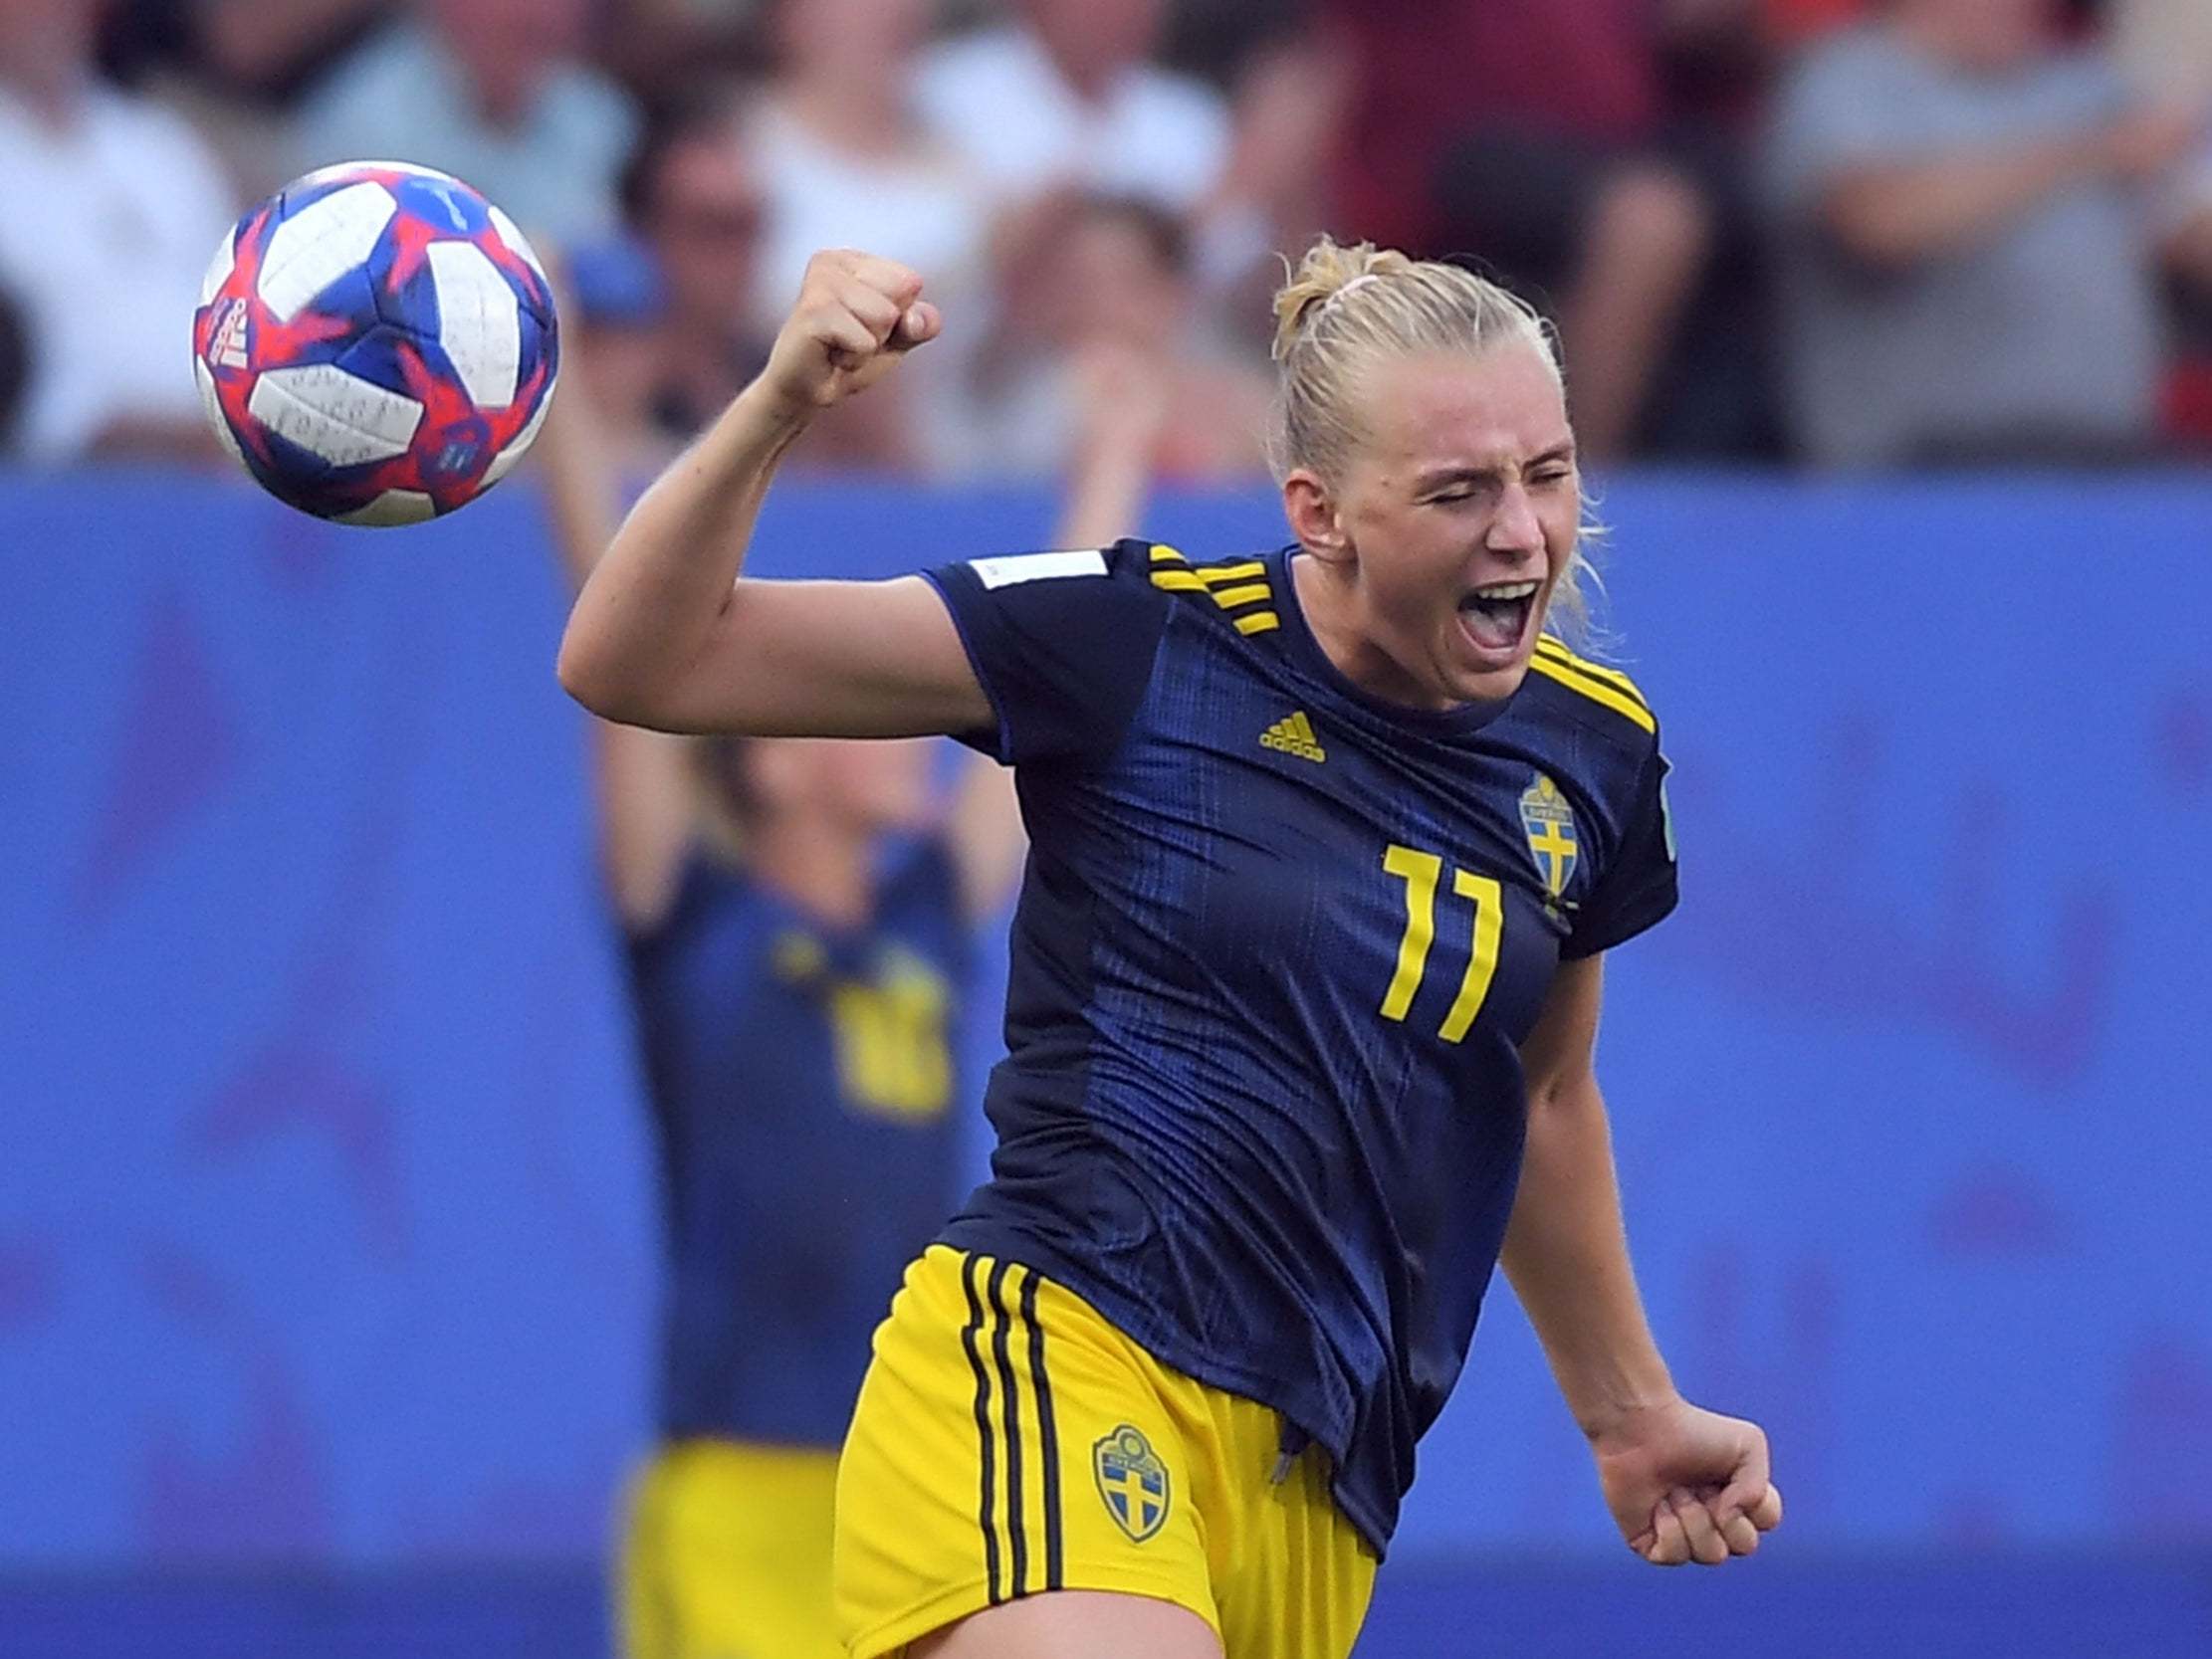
(1563, 451)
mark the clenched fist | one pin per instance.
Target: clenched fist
(1687, 1485)
(857, 316)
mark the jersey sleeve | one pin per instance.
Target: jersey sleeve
(1638, 887)
(1062, 644)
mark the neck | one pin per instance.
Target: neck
(1090, 81)
(1333, 610)
(825, 867)
(502, 97)
(853, 111)
(1936, 33)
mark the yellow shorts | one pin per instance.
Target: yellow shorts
(728, 1554)
(1008, 1441)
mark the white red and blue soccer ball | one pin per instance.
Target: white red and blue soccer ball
(375, 343)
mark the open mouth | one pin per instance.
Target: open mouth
(1496, 616)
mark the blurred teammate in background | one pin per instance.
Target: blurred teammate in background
(1327, 848)
(799, 925)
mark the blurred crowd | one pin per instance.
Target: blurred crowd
(1846, 233)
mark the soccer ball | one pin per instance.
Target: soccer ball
(375, 343)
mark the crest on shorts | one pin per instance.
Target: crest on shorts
(1550, 826)
(1133, 1481)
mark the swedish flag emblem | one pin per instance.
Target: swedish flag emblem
(1133, 1481)
(1550, 825)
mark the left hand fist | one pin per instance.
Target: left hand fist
(1686, 1484)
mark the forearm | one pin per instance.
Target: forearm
(666, 583)
(1105, 496)
(1566, 1253)
(1898, 214)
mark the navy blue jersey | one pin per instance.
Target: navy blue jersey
(802, 1077)
(1278, 942)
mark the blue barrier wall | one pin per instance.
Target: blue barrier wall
(324, 1225)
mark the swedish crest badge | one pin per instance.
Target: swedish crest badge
(1133, 1481)
(1550, 826)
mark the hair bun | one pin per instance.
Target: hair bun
(1326, 270)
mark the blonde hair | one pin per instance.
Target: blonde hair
(1345, 309)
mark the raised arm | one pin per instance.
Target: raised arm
(1682, 1483)
(639, 777)
(668, 632)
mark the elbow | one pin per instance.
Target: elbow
(587, 674)
(572, 668)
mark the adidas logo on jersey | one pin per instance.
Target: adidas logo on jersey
(1293, 735)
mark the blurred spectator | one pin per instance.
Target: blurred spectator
(1543, 136)
(1105, 334)
(15, 370)
(845, 160)
(1066, 97)
(113, 208)
(1970, 263)
(494, 91)
(690, 198)
(236, 69)
(615, 315)
(2163, 46)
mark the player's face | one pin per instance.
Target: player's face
(870, 785)
(1459, 513)
(705, 218)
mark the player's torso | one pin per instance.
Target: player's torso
(803, 1079)
(1334, 890)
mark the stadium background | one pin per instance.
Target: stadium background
(326, 1241)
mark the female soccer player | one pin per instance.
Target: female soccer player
(1326, 849)
(799, 936)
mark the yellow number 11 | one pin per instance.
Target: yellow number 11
(1420, 872)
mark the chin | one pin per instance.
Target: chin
(1493, 684)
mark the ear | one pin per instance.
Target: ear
(1306, 503)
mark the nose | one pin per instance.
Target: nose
(1515, 528)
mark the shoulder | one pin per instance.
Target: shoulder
(400, 58)
(1236, 593)
(1602, 701)
(711, 889)
(156, 154)
(582, 99)
(1189, 104)
(1130, 580)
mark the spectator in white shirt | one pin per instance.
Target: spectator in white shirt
(494, 91)
(844, 157)
(1066, 97)
(113, 208)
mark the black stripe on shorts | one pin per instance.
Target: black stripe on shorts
(1016, 1526)
(968, 1338)
(1047, 1433)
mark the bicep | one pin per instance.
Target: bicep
(830, 659)
(1561, 1051)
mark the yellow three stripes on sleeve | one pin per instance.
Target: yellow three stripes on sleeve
(1601, 685)
(1229, 586)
